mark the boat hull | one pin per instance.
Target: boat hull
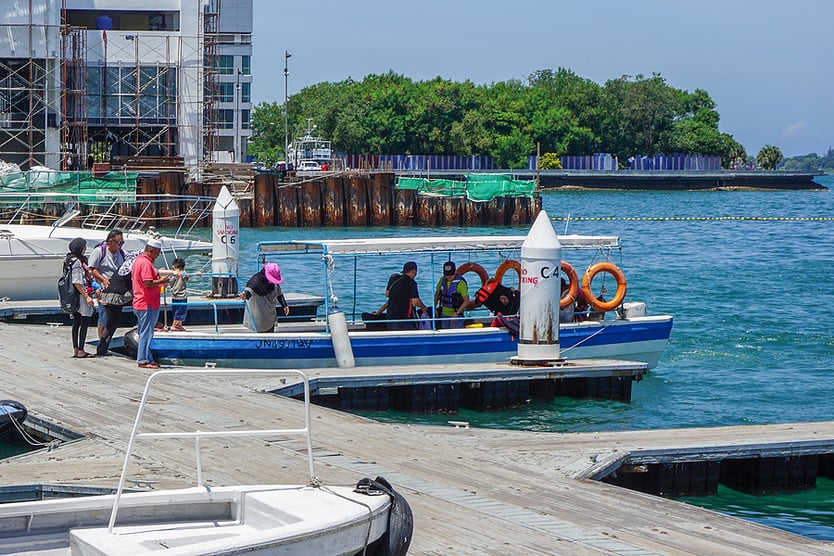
(31, 257)
(636, 339)
(269, 519)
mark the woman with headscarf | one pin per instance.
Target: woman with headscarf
(76, 260)
(117, 294)
(261, 293)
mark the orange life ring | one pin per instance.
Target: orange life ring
(613, 270)
(509, 264)
(573, 289)
(473, 267)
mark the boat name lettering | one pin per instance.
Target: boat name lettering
(284, 344)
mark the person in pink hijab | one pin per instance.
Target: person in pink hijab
(262, 292)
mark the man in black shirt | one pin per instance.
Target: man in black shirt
(402, 297)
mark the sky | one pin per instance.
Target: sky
(766, 63)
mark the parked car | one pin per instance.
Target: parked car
(309, 166)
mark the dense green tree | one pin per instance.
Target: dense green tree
(564, 113)
(769, 157)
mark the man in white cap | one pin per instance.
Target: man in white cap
(146, 299)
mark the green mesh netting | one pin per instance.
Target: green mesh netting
(106, 188)
(477, 187)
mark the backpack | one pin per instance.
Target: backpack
(68, 296)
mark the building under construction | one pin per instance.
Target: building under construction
(149, 83)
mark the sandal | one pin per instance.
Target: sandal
(84, 355)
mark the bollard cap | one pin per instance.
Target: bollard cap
(542, 241)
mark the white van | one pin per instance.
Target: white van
(309, 166)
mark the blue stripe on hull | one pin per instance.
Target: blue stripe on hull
(615, 339)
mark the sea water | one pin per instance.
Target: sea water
(748, 276)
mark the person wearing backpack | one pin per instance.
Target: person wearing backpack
(77, 262)
(105, 260)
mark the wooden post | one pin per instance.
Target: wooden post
(286, 207)
(332, 201)
(264, 200)
(404, 207)
(310, 205)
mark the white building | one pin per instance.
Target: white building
(85, 81)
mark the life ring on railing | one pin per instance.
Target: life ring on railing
(613, 270)
(473, 267)
(573, 287)
(509, 264)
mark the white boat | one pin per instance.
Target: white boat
(253, 519)
(310, 153)
(627, 333)
(31, 256)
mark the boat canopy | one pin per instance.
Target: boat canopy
(416, 244)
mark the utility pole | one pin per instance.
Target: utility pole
(286, 110)
(237, 120)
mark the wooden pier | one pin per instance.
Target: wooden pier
(473, 491)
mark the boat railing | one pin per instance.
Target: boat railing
(305, 431)
(182, 213)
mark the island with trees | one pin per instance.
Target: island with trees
(552, 113)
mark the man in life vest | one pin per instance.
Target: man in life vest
(450, 297)
(496, 297)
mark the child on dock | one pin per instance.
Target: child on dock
(179, 294)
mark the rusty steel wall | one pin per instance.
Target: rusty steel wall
(336, 200)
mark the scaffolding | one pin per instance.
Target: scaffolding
(74, 131)
(28, 111)
(211, 85)
(72, 94)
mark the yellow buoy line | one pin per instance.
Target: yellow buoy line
(675, 218)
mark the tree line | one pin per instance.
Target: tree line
(557, 112)
(810, 163)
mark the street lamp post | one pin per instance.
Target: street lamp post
(286, 110)
(236, 121)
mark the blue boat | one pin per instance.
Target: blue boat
(627, 334)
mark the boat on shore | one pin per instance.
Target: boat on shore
(31, 256)
(627, 334)
(313, 518)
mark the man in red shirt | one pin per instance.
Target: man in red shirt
(146, 289)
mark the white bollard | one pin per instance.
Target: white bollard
(541, 255)
(225, 248)
(340, 338)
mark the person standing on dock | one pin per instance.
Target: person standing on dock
(77, 261)
(146, 300)
(450, 297)
(261, 293)
(403, 296)
(105, 261)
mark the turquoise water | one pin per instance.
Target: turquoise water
(749, 279)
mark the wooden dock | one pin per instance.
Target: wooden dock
(473, 491)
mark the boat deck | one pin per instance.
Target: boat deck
(473, 491)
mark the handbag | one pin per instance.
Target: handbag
(110, 298)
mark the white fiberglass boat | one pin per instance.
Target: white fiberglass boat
(254, 519)
(31, 256)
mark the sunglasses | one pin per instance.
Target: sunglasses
(119, 242)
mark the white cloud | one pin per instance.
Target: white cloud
(796, 130)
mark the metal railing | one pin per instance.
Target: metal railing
(198, 434)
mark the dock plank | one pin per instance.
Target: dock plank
(473, 491)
